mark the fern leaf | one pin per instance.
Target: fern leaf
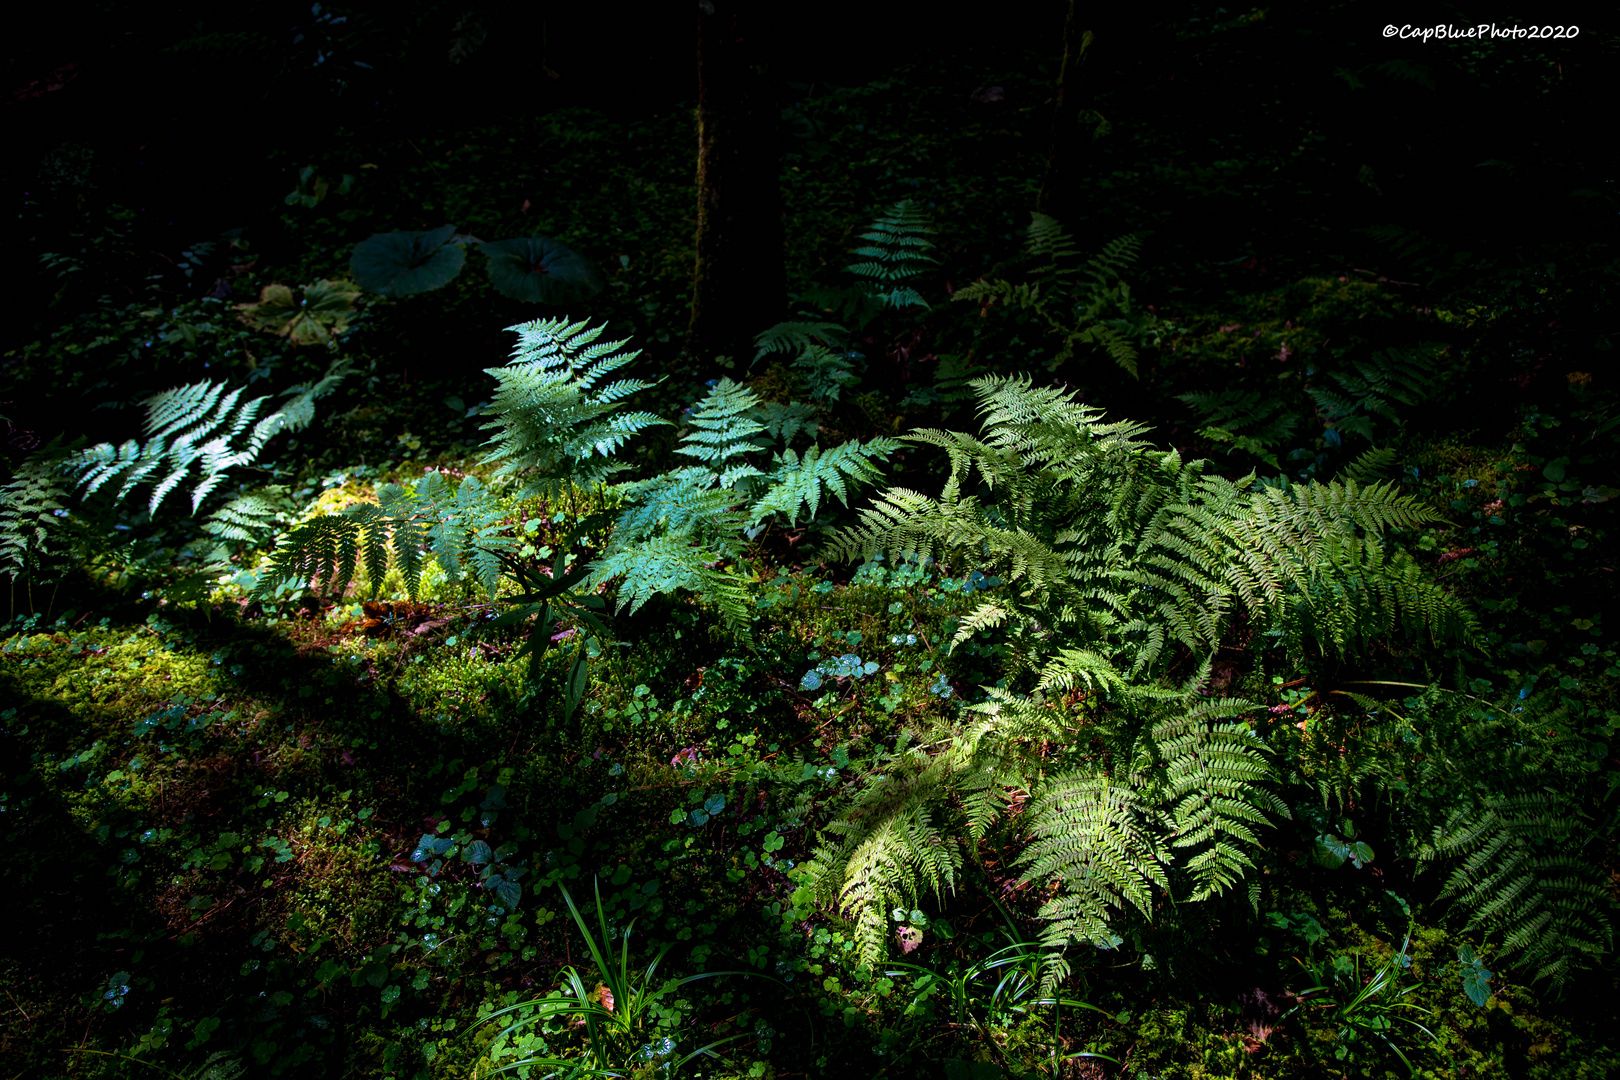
(894, 253)
(798, 482)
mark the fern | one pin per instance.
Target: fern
(553, 425)
(798, 337)
(253, 517)
(798, 482)
(1375, 387)
(786, 421)
(827, 374)
(1254, 422)
(895, 253)
(723, 431)
(458, 526)
(1084, 303)
(1118, 561)
(32, 505)
(196, 434)
(205, 426)
(1114, 546)
(1493, 793)
(675, 529)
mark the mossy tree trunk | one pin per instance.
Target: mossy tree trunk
(739, 286)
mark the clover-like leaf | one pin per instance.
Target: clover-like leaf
(324, 311)
(541, 270)
(402, 263)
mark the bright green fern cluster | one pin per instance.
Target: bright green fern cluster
(554, 424)
(678, 528)
(1124, 568)
(458, 526)
(557, 425)
(196, 435)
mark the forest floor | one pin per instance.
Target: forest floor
(326, 837)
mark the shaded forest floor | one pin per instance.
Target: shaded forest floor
(223, 813)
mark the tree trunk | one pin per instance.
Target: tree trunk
(740, 283)
(1067, 145)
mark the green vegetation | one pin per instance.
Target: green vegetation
(1063, 649)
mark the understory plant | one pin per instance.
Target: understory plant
(619, 1015)
(60, 505)
(1104, 765)
(556, 430)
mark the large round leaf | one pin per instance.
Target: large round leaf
(402, 263)
(541, 270)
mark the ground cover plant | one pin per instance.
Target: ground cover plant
(1154, 627)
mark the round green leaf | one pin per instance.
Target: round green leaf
(541, 270)
(402, 263)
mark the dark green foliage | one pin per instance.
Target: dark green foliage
(405, 263)
(895, 253)
(241, 799)
(1373, 389)
(1083, 302)
(31, 505)
(1489, 792)
(797, 337)
(541, 270)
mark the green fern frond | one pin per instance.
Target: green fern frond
(252, 517)
(723, 432)
(1082, 303)
(797, 482)
(323, 553)
(661, 564)
(1373, 465)
(785, 422)
(1265, 421)
(895, 252)
(1215, 783)
(1089, 836)
(458, 526)
(203, 431)
(797, 338)
(682, 502)
(826, 373)
(550, 429)
(1049, 241)
(1377, 387)
(32, 504)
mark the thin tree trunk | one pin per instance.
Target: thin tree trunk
(1066, 144)
(739, 286)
